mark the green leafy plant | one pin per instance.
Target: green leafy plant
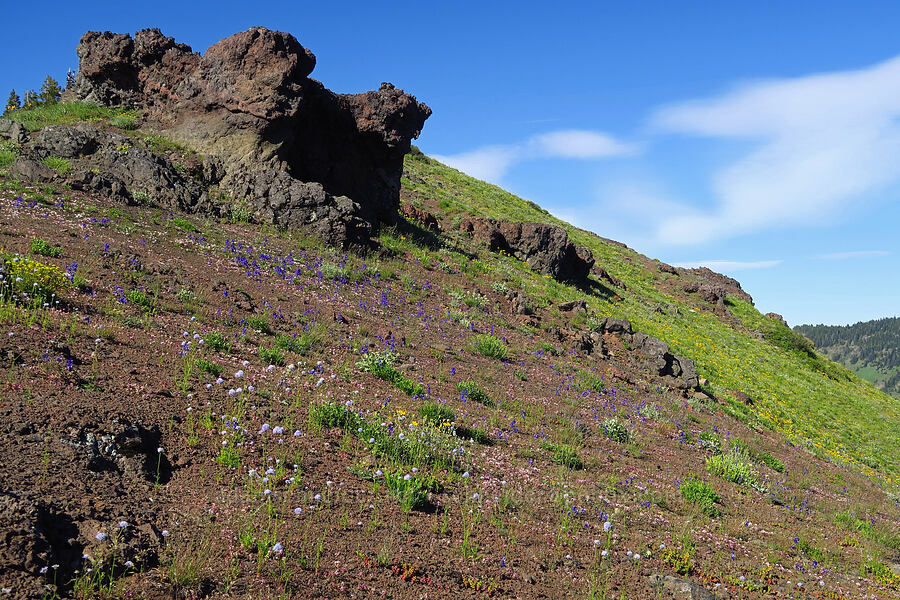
(261, 324)
(39, 246)
(734, 466)
(616, 430)
(472, 391)
(699, 493)
(59, 164)
(491, 346)
(272, 356)
(380, 365)
(217, 342)
(565, 455)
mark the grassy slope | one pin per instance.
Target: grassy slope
(835, 415)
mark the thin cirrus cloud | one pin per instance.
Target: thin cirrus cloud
(730, 266)
(819, 144)
(491, 163)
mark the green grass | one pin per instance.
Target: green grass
(68, 113)
(808, 399)
(7, 157)
(303, 343)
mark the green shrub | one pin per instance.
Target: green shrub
(616, 431)
(39, 246)
(260, 323)
(491, 346)
(273, 355)
(217, 342)
(699, 493)
(472, 391)
(437, 413)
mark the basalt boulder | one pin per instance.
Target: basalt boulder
(546, 248)
(249, 102)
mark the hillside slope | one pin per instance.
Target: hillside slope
(202, 405)
(813, 402)
(871, 349)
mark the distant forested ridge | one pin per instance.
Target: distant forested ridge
(871, 349)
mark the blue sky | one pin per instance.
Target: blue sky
(761, 140)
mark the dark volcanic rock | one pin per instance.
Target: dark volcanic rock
(665, 364)
(117, 167)
(250, 102)
(546, 248)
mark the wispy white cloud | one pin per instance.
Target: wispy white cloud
(820, 143)
(488, 163)
(854, 254)
(492, 162)
(730, 266)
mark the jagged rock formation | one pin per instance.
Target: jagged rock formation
(296, 152)
(546, 248)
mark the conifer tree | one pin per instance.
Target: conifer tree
(50, 91)
(70, 80)
(12, 103)
(30, 100)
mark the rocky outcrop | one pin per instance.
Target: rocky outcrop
(421, 216)
(681, 370)
(110, 163)
(249, 102)
(546, 248)
(676, 370)
(718, 283)
(714, 294)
